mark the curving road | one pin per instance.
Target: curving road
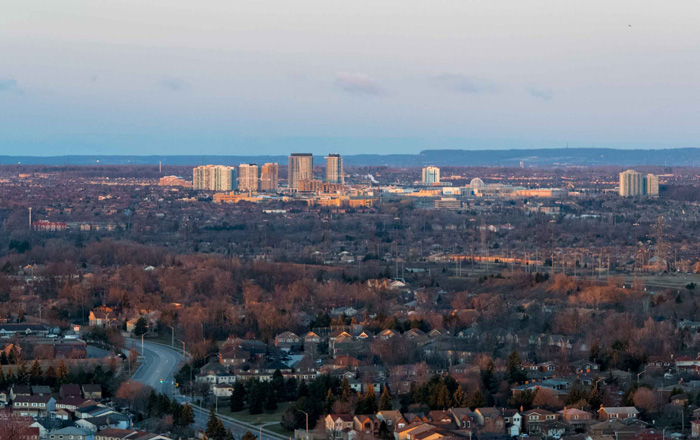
(159, 365)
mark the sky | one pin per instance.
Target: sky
(382, 76)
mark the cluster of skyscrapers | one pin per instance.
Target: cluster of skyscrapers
(634, 184)
(245, 178)
(214, 178)
(249, 177)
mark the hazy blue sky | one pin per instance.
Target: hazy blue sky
(262, 76)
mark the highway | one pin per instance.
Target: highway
(159, 365)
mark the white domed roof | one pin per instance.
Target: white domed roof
(477, 183)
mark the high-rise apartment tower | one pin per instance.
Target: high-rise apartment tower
(334, 169)
(269, 177)
(301, 167)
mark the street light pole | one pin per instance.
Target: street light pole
(183, 347)
(172, 335)
(142, 350)
(307, 423)
(640, 373)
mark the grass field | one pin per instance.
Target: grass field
(259, 419)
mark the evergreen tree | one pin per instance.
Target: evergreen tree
(50, 376)
(238, 397)
(270, 399)
(329, 402)
(368, 402)
(229, 435)
(62, 373)
(516, 373)
(488, 376)
(595, 399)
(385, 401)
(577, 393)
(22, 374)
(248, 436)
(151, 404)
(10, 376)
(3, 380)
(442, 397)
(215, 428)
(477, 400)
(303, 390)
(186, 416)
(345, 390)
(35, 373)
(277, 384)
(256, 398)
(141, 327)
(290, 389)
(3, 359)
(459, 399)
(594, 352)
(175, 410)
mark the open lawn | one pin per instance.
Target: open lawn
(259, 419)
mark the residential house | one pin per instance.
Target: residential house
(533, 419)
(69, 390)
(679, 399)
(695, 428)
(33, 406)
(553, 428)
(617, 412)
(223, 390)
(387, 334)
(490, 420)
(70, 403)
(71, 432)
(462, 417)
(234, 357)
(41, 390)
(21, 329)
(340, 426)
(575, 417)
(102, 317)
(312, 338)
(106, 420)
(20, 390)
(584, 367)
(288, 341)
(514, 422)
(127, 434)
(394, 419)
(366, 423)
(92, 391)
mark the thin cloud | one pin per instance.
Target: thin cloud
(174, 84)
(9, 85)
(469, 85)
(358, 84)
(540, 93)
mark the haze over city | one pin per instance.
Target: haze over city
(173, 77)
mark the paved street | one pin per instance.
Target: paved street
(157, 369)
(158, 366)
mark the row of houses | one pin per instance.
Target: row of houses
(482, 422)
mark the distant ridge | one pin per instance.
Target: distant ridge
(545, 157)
